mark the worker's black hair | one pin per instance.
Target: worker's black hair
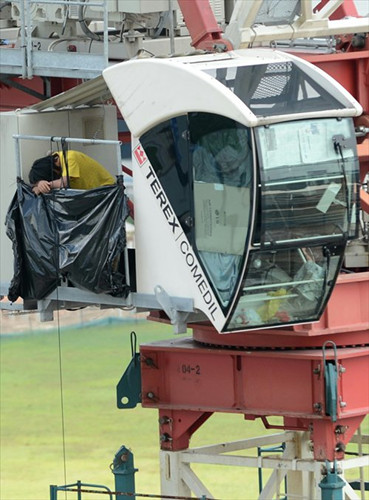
(44, 169)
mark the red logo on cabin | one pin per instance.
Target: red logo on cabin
(140, 155)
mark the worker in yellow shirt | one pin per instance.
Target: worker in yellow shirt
(83, 172)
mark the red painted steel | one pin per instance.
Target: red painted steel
(364, 201)
(59, 85)
(345, 319)
(177, 427)
(12, 98)
(202, 25)
(187, 382)
(350, 69)
(348, 8)
(330, 439)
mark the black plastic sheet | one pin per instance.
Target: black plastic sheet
(75, 236)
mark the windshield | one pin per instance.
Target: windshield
(309, 180)
(270, 244)
(285, 286)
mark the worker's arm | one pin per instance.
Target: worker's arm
(43, 187)
(58, 183)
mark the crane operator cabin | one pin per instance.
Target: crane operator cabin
(245, 182)
(246, 191)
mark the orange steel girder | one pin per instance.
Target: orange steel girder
(187, 382)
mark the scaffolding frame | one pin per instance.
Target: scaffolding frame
(303, 473)
(28, 61)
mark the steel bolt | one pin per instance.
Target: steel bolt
(317, 407)
(165, 438)
(340, 429)
(165, 420)
(150, 362)
(150, 395)
(340, 446)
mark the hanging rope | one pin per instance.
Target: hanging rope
(61, 393)
(57, 272)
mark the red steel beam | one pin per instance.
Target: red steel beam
(178, 426)
(202, 25)
(348, 8)
(364, 199)
(194, 381)
(350, 69)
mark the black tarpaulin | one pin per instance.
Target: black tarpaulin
(78, 236)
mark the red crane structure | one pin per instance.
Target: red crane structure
(316, 375)
(309, 368)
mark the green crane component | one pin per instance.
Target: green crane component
(79, 488)
(332, 485)
(129, 386)
(124, 472)
(331, 380)
(331, 391)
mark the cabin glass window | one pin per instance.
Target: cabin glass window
(204, 163)
(280, 12)
(276, 88)
(222, 165)
(309, 180)
(285, 286)
(166, 146)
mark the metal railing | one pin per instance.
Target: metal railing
(79, 488)
(76, 140)
(31, 62)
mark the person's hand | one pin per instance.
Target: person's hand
(42, 187)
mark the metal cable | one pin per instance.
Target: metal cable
(134, 495)
(61, 393)
(57, 271)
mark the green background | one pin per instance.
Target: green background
(92, 360)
